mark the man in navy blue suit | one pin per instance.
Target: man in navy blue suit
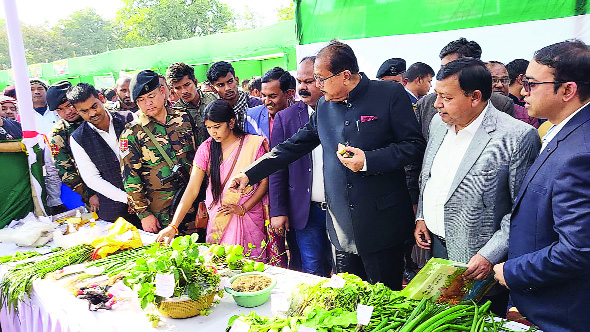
(548, 264)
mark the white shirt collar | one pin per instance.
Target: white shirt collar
(310, 110)
(473, 126)
(111, 128)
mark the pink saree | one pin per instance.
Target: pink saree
(234, 229)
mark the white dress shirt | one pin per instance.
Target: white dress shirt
(45, 123)
(317, 174)
(442, 174)
(88, 171)
(552, 132)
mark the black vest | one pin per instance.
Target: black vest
(106, 162)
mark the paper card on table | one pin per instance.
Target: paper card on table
(240, 326)
(278, 303)
(165, 285)
(335, 282)
(363, 314)
(306, 329)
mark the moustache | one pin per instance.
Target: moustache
(304, 93)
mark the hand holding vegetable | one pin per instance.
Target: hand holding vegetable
(355, 162)
(478, 268)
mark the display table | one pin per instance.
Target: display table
(52, 309)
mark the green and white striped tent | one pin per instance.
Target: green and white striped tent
(417, 30)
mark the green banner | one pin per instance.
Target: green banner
(320, 21)
(15, 192)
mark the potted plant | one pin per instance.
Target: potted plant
(174, 280)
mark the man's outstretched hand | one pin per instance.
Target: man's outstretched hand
(239, 182)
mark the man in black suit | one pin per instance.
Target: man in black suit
(368, 133)
(454, 50)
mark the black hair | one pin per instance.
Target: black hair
(571, 63)
(36, 81)
(515, 68)
(10, 91)
(472, 74)
(80, 92)
(177, 71)
(308, 58)
(109, 93)
(219, 69)
(418, 69)
(219, 111)
(255, 84)
(286, 80)
(341, 57)
(245, 84)
(463, 47)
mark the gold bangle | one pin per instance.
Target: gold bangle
(174, 227)
(243, 210)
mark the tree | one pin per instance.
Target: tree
(246, 19)
(44, 45)
(87, 32)
(286, 13)
(147, 22)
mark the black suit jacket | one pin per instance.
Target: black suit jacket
(368, 211)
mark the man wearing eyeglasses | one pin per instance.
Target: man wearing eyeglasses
(501, 85)
(548, 266)
(368, 133)
(474, 163)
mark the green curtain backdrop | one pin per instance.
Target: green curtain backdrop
(322, 20)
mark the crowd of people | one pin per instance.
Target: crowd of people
(330, 172)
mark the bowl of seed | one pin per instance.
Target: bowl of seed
(251, 289)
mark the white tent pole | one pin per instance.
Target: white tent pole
(23, 93)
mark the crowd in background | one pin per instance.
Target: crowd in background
(329, 171)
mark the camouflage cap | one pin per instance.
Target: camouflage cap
(56, 94)
(145, 81)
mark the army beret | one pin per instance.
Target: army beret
(56, 94)
(145, 81)
(392, 67)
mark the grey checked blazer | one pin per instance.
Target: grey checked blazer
(479, 203)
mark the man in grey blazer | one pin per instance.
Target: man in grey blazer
(474, 163)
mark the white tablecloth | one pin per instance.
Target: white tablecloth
(52, 309)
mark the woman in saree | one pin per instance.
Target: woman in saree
(234, 218)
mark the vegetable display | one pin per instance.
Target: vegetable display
(191, 279)
(18, 281)
(328, 308)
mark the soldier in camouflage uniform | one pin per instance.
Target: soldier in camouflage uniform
(144, 168)
(60, 142)
(181, 77)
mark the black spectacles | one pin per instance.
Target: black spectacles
(500, 80)
(528, 85)
(321, 81)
